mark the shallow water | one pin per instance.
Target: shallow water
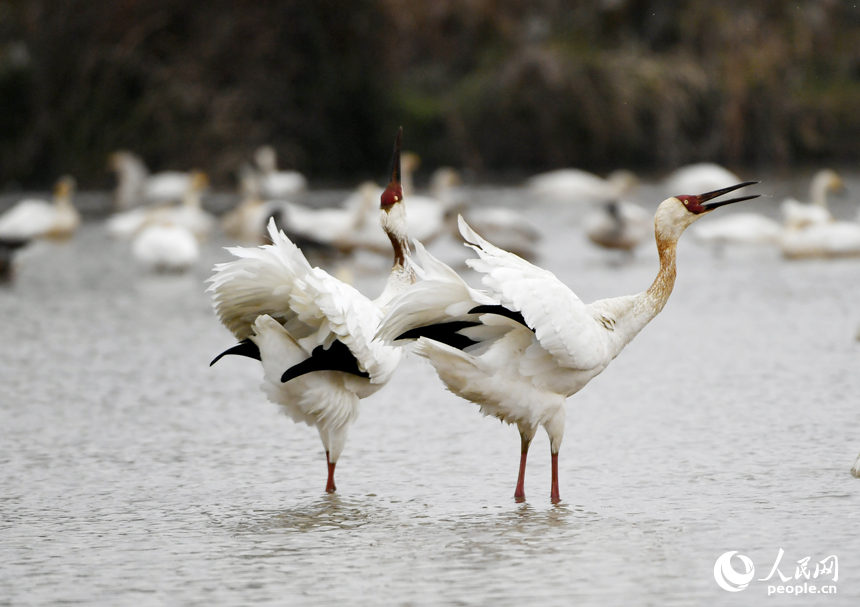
(133, 474)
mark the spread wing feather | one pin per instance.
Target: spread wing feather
(560, 320)
(340, 312)
(440, 296)
(261, 281)
(315, 308)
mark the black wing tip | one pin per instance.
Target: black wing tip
(501, 311)
(337, 357)
(246, 348)
(445, 333)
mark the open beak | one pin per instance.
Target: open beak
(703, 198)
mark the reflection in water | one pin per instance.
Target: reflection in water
(329, 512)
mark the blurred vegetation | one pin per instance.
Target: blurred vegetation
(493, 85)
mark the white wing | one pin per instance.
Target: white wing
(561, 322)
(260, 282)
(314, 307)
(338, 311)
(440, 296)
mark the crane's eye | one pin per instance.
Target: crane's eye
(691, 203)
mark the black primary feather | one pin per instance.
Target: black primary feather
(337, 358)
(244, 348)
(501, 311)
(445, 333)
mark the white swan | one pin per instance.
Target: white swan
(754, 228)
(136, 186)
(576, 185)
(701, 177)
(166, 248)
(32, 218)
(834, 239)
(740, 228)
(275, 183)
(800, 215)
(189, 214)
(342, 227)
(246, 222)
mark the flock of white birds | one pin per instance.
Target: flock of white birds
(517, 348)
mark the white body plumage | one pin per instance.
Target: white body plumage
(32, 218)
(578, 186)
(700, 177)
(166, 248)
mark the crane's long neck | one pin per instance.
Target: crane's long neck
(402, 274)
(627, 316)
(655, 298)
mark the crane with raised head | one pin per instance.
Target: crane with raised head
(313, 334)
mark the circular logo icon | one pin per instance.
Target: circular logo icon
(728, 578)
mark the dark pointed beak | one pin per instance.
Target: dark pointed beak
(702, 198)
(395, 159)
(393, 192)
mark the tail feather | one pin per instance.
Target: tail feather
(459, 371)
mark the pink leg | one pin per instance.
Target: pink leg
(520, 492)
(329, 486)
(553, 496)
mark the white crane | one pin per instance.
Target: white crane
(314, 334)
(519, 348)
(31, 218)
(578, 186)
(855, 469)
